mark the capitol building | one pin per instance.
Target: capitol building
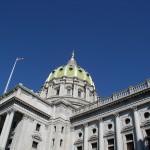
(68, 114)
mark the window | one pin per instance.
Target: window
(110, 144)
(70, 69)
(146, 115)
(62, 129)
(61, 142)
(38, 127)
(94, 131)
(79, 93)
(109, 126)
(68, 91)
(55, 128)
(57, 92)
(127, 121)
(34, 144)
(79, 148)
(148, 138)
(80, 134)
(53, 142)
(94, 145)
(129, 142)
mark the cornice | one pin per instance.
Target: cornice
(13, 99)
(99, 105)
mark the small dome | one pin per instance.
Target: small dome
(71, 70)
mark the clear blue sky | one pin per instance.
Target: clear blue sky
(111, 39)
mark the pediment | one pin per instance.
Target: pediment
(109, 133)
(146, 123)
(78, 141)
(127, 128)
(93, 137)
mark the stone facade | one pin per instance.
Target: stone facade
(67, 114)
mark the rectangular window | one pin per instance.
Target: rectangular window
(62, 129)
(79, 93)
(148, 138)
(38, 127)
(129, 142)
(34, 144)
(57, 92)
(110, 144)
(94, 146)
(54, 128)
(79, 148)
(68, 91)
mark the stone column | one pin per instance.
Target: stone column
(118, 132)
(20, 133)
(101, 139)
(86, 136)
(72, 138)
(75, 91)
(138, 132)
(87, 93)
(7, 129)
(49, 93)
(4, 128)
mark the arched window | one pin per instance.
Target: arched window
(79, 93)
(61, 142)
(68, 91)
(127, 121)
(146, 115)
(94, 131)
(109, 126)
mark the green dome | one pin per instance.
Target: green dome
(71, 70)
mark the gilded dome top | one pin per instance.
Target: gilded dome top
(71, 70)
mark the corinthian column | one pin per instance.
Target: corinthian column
(118, 132)
(138, 132)
(4, 128)
(86, 136)
(7, 129)
(101, 140)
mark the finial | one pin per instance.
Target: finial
(73, 54)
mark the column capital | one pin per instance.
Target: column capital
(85, 124)
(11, 110)
(134, 108)
(116, 114)
(25, 116)
(100, 119)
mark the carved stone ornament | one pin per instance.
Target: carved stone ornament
(134, 108)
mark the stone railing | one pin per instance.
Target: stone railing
(131, 90)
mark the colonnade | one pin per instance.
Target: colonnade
(118, 136)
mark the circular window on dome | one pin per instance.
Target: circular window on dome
(70, 69)
(109, 126)
(53, 71)
(61, 69)
(146, 115)
(94, 131)
(87, 74)
(80, 135)
(80, 70)
(127, 121)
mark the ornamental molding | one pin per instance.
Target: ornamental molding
(146, 123)
(127, 128)
(93, 137)
(99, 106)
(109, 133)
(36, 135)
(79, 141)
